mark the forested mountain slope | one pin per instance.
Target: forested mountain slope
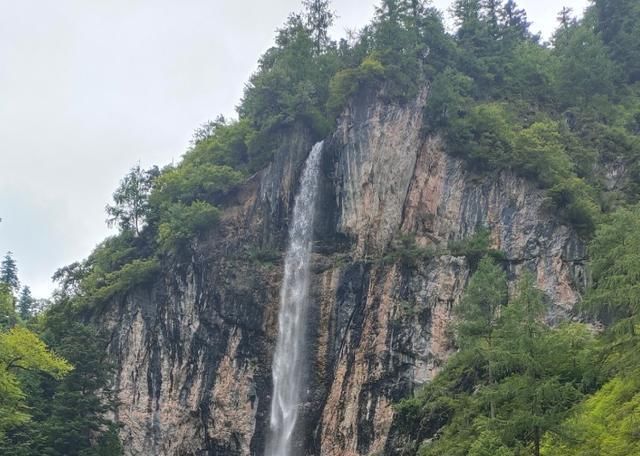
(475, 265)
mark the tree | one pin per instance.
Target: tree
(9, 272)
(479, 313)
(73, 418)
(615, 263)
(618, 23)
(7, 307)
(491, 10)
(131, 199)
(466, 13)
(319, 17)
(515, 19)
(535, 393)
(565, 18)
(20, 351)
(25, 303)
(69, 413)
(585, 68)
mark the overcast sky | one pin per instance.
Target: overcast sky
(90, 88)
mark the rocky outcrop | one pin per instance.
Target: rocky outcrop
(193, 351)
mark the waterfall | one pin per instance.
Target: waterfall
(288, 359)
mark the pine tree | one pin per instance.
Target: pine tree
(25, 303)
(319, 17)
(9, 272)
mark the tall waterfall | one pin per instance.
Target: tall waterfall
(288, 359)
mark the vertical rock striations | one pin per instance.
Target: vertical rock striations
(194, 351)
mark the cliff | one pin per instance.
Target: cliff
(193, 350)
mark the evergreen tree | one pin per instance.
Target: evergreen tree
(319, 18)
(618, 23)
(9, 273)
(22, 351)
(492, 13)
(7, 307)
(565, 18)
(25, 303)
(615, 251)
(131, 200)
(585, 68)
(533, 398)
(466, 14)
(69, 415)
(479, 314)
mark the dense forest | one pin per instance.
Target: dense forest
(564, 114)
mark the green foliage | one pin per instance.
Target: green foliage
(585, 68)
(541, 154)
(557, 116)
(223, 143)
(7, 307)
(513, 380)
(26, 304)
(113, 268)
(618, 24)
(615, 265)
(9, 273)
(351, 81)
(190, 182)
(407, 252)
(605, 425)
(183, 222)
(475, 247)
(449, 98)
(68, 413)
(484, 135)
(480, 308)
(129, 276)
(21, 350)
(530, 74)
(292, 82)
(131, 200)
(572, 201)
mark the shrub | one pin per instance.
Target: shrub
(190, 182)
(347, 83)
(572, 200)
(183, 222)
(130, 275)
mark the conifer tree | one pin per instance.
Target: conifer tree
(9, 272)
(25, 303)
(319, 18)
(479, 314)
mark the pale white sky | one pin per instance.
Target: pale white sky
(89, 88)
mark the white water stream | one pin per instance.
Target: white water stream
(288, 359)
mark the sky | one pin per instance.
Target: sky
(89, 89)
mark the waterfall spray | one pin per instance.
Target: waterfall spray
(288, 360)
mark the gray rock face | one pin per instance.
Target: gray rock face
(194, 350)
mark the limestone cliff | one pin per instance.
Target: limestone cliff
(193, 350)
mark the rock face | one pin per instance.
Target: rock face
(193, 351)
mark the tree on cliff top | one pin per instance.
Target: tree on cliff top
(131, 199)
(9, 272)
